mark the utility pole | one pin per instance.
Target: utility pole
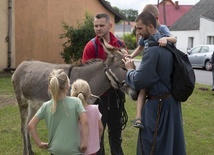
(164, 12)
(158, 4)
(9, 33)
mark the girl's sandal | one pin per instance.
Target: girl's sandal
(137, 123)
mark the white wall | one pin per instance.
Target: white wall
(206, 29)
(183, 36)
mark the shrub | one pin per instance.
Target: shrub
(130, 40)
(76, 39)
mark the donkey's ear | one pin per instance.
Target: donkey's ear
(103, 41)
(107, 48)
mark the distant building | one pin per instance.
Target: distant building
(124, 28)
(173, 11)
(196, 26)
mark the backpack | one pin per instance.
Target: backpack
(96, 46)
(183, 76)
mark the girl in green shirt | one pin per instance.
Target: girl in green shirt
(61, 114)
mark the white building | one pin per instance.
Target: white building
(196, 27)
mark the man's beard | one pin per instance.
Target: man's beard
(146, 35)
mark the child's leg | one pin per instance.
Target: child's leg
(140, 102)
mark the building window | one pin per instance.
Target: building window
(190, 43)
(210, 40)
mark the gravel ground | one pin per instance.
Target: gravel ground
(7, 100)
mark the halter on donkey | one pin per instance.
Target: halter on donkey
(30, 81)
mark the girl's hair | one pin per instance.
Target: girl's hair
(81, 89)
(58, 84)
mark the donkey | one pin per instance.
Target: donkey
(30, 82)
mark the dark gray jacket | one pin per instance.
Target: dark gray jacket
(154, 70)
(212, 59)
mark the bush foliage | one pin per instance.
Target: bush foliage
(76, 39)
(130, 40)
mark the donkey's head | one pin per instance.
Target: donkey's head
(115, 68)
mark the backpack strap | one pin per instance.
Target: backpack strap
(153, 44)
(120, 42)
(96, 47)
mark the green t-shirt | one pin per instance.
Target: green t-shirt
(63, 131)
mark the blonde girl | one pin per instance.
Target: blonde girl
(61, 114)
(80, 88)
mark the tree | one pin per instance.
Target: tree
(76, 38)
(130, 14)
(164, 12)
(116, 9)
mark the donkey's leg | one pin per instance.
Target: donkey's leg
(24, 114)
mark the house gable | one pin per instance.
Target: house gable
(191, 20)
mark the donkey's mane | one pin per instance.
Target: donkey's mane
(91, 61)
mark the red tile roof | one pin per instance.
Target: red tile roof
(173, 13)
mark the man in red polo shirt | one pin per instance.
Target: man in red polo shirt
(112, 102)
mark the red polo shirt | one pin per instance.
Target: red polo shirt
(90, 51)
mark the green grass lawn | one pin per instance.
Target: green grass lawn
(198, 116)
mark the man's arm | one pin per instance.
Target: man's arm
(138, 79)
(212, 58)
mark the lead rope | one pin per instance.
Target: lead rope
(156, 127)
(124, 117)
(121, 106)
(113, 79)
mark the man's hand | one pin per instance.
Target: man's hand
(129, 63)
